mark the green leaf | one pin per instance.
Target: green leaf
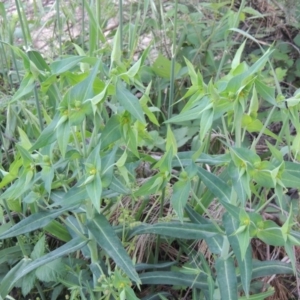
(7, 283)
(63, 134)
(270, 267)
(107, 169)
(193, 113)
(48, 135)
(116, 51)
(94, 190)
(129, 102)
(271, 234)
(108, 240)
(260, 296)
(39, 248)
(25, 266)
(188, 231)
(162, 67)
(51, 271)
(192, 72)
(237, 57)
(26, 87)
(215, 243)
(151, 186)
(220, 189)
(58, 230)
(63, 65)
(244, 261)
(174, 278)
(206, 122)
(180, 195)
(33, 222)
(266, 92)
(227, 278)
(111, 132)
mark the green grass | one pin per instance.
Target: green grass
(146, 169)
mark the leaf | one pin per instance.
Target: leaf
(33, 222)
(215, 243)
(26, 87)
(174, 278)
(129, 102)
(25, 265)
(94, 190)
(180, 195)
(51, 271)
(206, 122)
(266, 92)
(220, 189)
(192, 72)
(177, 230)
(237, 57)
(66, 64)
(63, 135)
(226, 278)
(260, 296)
(244, 261)
(39, 248)
(48, 135)
(58, 230)
(271, 234)
(269, 268)
(193, 113)
(171, 141)
(111, 132)
(162, 67)
(116, 53)
(108, 240)
(7, 283)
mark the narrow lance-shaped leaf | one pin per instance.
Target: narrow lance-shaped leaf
(129, 102)
(177, 230)
(245, 263)
(33, 222)
(220, 189)
(94, 190)
(227, 279)
(26, 266)
(108, 240)
(175, 278)
(180, 195)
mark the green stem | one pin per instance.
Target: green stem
(121, 25)
(23, 23)
(228, 38)
(173, 62)
(59, 27)
(157, 246)
(38, 108)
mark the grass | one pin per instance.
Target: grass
(140, 160)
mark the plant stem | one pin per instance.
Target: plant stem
(38, 108)
(59, 27)
(121, 26)
(173, 62)
(157, 246)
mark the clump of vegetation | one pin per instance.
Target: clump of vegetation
(160, 170)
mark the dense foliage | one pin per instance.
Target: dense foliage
(169, 171)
